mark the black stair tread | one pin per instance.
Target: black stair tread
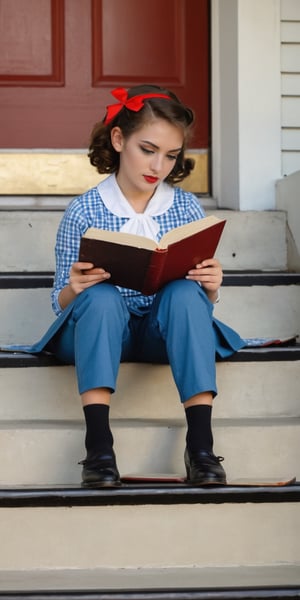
(277, 353)
(231, 593)
(26, 280)
(39, 279)
(23, 359)
(252, 593)
(144, 493)
(269, 278)
(270, 353)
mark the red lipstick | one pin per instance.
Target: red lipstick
(150, 179)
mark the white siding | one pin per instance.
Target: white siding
(290, 85)
(290, 10)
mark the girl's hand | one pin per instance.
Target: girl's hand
(83, 275)
(209, 273)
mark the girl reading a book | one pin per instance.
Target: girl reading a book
(140, 144)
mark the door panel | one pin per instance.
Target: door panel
(162, 42)
(60, 59)
(132, 45)
(31, 43)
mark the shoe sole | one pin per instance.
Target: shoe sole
(102, 484)
(207, 482)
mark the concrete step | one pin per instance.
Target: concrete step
(261, 310)
(113, 534)
(55, 534)
(181, 582)
(255, 309)
(251, 240)
(252, 389)
(47, 452)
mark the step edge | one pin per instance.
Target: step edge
(40, 279)
(17, 359)
(145, 494)
(228, 593)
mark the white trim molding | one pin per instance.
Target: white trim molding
(246, 111)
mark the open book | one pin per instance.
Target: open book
(139, 263)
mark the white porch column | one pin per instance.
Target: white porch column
(246, 112)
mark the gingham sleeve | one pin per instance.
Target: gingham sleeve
(195, 209)
(71, 228)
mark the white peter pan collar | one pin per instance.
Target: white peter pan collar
(138, 223)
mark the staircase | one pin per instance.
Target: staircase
(151, 540)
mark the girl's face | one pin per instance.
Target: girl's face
(146, 157)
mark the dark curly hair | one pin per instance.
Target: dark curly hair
(104, 157)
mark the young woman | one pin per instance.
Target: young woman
(141, 145)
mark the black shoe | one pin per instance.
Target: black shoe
(203, 468)
(100, 470)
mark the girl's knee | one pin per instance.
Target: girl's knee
(102, 292)
(185, 296)
(101, 298)
(183, 289)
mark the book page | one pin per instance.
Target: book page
(139, 241)
(187, 230)
(119, 237)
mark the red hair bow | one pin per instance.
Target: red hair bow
(135, 103)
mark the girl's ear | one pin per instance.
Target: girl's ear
(117, 139)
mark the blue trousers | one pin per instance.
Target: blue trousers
(98, 332)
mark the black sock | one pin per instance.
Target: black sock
(98, 434)
(199, 433)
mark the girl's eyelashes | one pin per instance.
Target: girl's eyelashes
(172, 157)
(146, 150)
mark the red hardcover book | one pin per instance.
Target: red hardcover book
(139, 263)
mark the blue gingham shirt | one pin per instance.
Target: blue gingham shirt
(88, 210)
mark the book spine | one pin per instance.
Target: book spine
(155, 269)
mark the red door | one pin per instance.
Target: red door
(60, 58)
